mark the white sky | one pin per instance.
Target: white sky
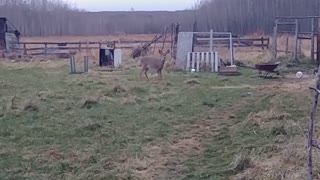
(137, 5)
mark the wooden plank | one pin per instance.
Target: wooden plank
(292, 32)
(203, 61)
(296, 17)
(235, 45)
(286, 23)
(304, 38)
(234, 39)
(216, 62)
(285, 51)
(198, 61)
(34, 49)
(208, 60)
(212, 61)
(211, 41)
(38, 53)
(207, 35)
(193, 61)
(68, 43)
(188, 61)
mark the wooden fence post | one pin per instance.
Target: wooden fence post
(45, 49)
(287, 45)
(24, 49)
(312, 39)
(275, 36)
(262, 43)
(79, 46)
(295, 53)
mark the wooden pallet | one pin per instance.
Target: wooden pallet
(229, 71)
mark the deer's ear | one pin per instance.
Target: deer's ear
(160, 51)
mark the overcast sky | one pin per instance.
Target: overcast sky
(137, 5)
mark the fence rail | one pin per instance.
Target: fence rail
(45, 48)
(237, 42)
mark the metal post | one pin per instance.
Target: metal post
(231, 50)
(211, 40)
(24, 49)
(45, 49)
(295, 54)
(300, 48)
(86, 64)
(72, 65)
(275, 36)
(287, 45)
(312, 38)
(311, 142)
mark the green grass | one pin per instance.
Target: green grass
(80, 128)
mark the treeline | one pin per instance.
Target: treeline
(57, 17)
(248, 16)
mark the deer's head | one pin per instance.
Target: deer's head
(164, 55)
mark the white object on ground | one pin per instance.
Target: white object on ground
(299, 74)
(193, 70)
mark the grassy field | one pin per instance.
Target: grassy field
(112, 125)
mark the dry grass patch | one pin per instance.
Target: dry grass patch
(31, 105)
(118, 89)
(90, 101)
(192, 82)
(266, 116)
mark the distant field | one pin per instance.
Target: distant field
(249, 55)
(115, 126)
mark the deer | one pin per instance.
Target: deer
(153, 62)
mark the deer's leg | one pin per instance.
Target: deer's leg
(140, 74)
(160, 74)
(146, 69)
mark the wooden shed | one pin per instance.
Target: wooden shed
(9, 35)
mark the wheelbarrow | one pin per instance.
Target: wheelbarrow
(264, 69)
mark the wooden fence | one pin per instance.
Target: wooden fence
(262, 42)
(47, 48)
